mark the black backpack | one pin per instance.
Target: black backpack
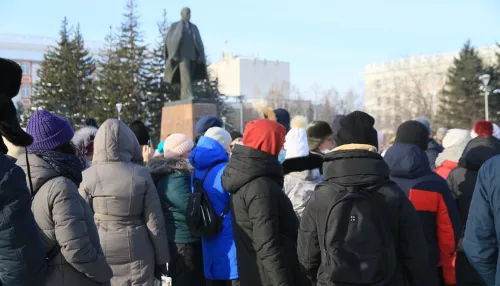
(358, 246)
(201, 218)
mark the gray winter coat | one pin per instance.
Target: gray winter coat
(65, 219)
(127, 209)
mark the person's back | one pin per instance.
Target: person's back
(462, 181)
(430, 195)
(454, 144)
(481, 241)
(219, 252)
(126, 206)
(69, 234)
(355, 169)
(264, 223)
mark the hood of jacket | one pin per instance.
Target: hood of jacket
(452, 153)
(40, 171)
(206, 153)
(161, 167)
(115, 142)
(407, 161)
(247, 164)
(355, 165)
(478, 151)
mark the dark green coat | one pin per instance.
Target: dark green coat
(172, 177)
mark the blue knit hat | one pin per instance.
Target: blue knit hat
(48, 131)
(205, 123)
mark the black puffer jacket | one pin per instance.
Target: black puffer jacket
(462, 181)
(366, 170)
(264, 223)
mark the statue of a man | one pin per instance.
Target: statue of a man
(184, 55)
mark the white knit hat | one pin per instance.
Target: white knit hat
(455, 136)
(220, 135)
(296, 143)
(176, 145)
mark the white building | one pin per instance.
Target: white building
(250, 77)
(404, 88)
(28, 51)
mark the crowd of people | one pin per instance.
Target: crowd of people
(285, 203)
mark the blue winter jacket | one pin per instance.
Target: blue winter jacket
(22, 255)
(482, 233)
(219, 252)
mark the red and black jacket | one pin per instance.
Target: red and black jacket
(432, 198)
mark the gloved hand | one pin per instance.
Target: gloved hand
(160, 269)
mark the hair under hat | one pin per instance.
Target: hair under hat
(177, 145)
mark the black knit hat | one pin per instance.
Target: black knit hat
(317, 132)
(357, 128)
(413, 132)
(235, 135)
(141, 132)
(10, 82)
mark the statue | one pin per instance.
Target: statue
(184, 55)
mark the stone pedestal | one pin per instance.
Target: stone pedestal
(181, 116)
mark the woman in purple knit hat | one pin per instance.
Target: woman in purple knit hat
(66, 221)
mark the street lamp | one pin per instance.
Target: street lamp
(224, 122)
(119, 108)
(486, 79)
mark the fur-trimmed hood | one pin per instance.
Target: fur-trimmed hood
(161, 167)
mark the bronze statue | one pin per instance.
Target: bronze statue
(184, 55)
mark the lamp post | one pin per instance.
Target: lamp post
(486, 79)
(119, 108)
(224, 122)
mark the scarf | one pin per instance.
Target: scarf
(66, 165)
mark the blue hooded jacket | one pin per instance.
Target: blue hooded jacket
(482, 233)
(219, 252)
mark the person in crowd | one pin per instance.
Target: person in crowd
(355, 164)
(172, 177)
(159, 150)
(336, 123)
(482, 128)
(22, 254)
(481, 240)
(282, 116)
(84, 144)
(440, 134)
(205, 123)
(211, 155)
(462, 181)
(70, 237)
(263, 220)
(89, 121)
(496, 131)
(454, 145)
(320, 138)
(430, 195)
(237, 138)
(391, 142)
(142, 134)
(301, 168)
(433, 147)
(126, 207)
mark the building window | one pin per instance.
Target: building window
(26, 91)
(26, 68)
(397, 101)
(379, 101)
(377, 84)
(388, 100)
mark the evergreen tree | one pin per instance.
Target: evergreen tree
(108, 91)
(462, 101)
(131, 52)
(65, 86)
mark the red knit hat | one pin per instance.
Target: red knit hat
(264, 135)
(483, 128)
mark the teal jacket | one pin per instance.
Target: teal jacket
(172, 177)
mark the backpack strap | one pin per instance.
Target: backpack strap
(226, 209)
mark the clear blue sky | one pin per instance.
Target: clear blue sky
(327, 42)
